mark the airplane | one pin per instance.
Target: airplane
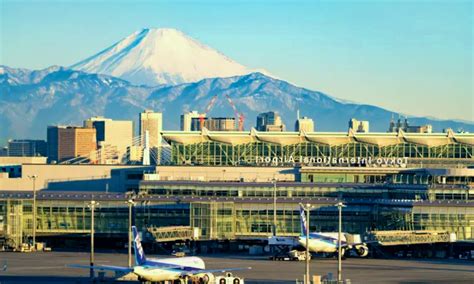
(327, 242)
(176, 269)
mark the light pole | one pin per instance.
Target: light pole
(339, 248)
(92, 206)
(307, 207)
(274, 181)
(130, 203)
(34, 177)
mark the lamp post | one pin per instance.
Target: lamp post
(307, 207)
(34, 177)
(339, 249)
(130, 203)
(274, 181)
(92, 206)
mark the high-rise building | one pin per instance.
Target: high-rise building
(113, 136)
(214, 124)
(3, 151)
(270, 121)
(361, 126)
(153, 123)
(187, 118)
(27, 148)
(404, 126)
(67, 142)
(305, 124)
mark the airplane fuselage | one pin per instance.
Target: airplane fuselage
(152, 269)
(322, 242)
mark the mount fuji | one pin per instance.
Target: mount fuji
(161, 57)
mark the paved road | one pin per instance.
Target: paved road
(50, 268)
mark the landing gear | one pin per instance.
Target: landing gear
(343, 253)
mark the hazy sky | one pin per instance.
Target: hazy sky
(413, 57)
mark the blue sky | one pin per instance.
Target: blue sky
(414, 57)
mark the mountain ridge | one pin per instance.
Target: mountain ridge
(66, 96)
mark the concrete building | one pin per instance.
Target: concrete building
(27, 148)
(186, 120)
(360, 126)
(3, 151)
(404, 126)
(67, 142)
(113, 137)
(305, 124)
(270, 121)
(153, 123)
(214, 124)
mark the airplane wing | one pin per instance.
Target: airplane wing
(103, 267)
(222, 270)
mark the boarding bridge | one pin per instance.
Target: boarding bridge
(395, 238)
(174, 233)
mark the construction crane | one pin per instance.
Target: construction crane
(240, 117)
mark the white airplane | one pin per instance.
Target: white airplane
(327, 242)
(176, 269)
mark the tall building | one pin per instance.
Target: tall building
(214, 124)
(360, 126)
(305, 124)
(153, 122)
(404, 126)
(270, 121)
(67, 142)
(27, 148)
(187, 118)
(113, 137)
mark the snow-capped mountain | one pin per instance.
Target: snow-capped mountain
(64, 96)
(161, 56)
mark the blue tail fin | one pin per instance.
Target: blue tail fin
(303, 221)
(137, 246)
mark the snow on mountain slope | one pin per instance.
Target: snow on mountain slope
(161, 56)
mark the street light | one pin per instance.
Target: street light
(130, 203)
(307, 207)
(274, 181)
(34, 177)
(339, 256)
(92, 206)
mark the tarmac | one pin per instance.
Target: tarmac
(50, 267)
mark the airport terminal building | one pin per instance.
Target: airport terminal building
(224, 184)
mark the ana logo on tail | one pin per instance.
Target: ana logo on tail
(303, 221)
(137, 244)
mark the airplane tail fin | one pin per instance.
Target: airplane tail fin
(303, 221)
(137, 246)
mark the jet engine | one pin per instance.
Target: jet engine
(362, 250)
(203, 278)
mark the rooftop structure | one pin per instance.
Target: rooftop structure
(27, 148)
(214, 123)
(113, 137)
(404, 126)
(270, 121)
(359, 126)
(305, 124)
(153, 123)
(186, 119)
(254, 147)
(67, 142)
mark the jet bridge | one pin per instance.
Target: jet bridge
(174, 233)
(395, 238)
